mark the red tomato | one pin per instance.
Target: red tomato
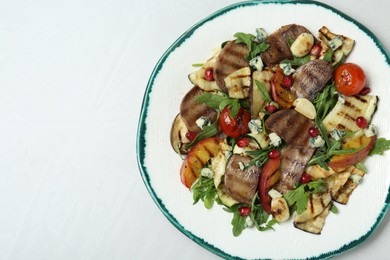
(237, 126)
(349, 79)
(280, 94)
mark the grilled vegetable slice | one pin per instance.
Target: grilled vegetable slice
(230, 59)
(178, 135)
(317, 172)
(257, 98)
(316, 224)
(238, 83)
(343, 115)
(196, 158)
(268, 177)
(344, 193)
(315, 205)
(279, 209)
(336, 181)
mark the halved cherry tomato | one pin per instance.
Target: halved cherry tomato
(269, 176)
(280, 94)
(237, 126)
(349, 79)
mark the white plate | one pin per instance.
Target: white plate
(160, 165)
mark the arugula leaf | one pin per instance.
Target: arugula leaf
(328, 56)
(334, 209)
(238, 221)
(260, 157)
(297, 61)
(381, 145)
(259, 216)
(208, 131)
(361, 167)
(325, 101)
(253, 47)
(300, 195)
(197, 65)
(204, 189)
(220, 101)
(263, 91)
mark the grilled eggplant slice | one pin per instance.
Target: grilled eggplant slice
(238, 83)
(191, 111)
(310, 78)
(317, 172)
(230, 59)
(256, 97)
(178, 135)
(241, 184)
(336, 181)
(278, 44)
(316, 224)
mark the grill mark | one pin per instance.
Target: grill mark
(322, 202)
(311, 203)
(352, 106)
(361, 99)
(340, 126)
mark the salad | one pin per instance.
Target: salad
(277, 127)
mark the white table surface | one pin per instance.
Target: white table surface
(72, 79)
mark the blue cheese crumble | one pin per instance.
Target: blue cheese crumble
(256, 63)
(202, 122)
(261, 35)
(335, 43)
(337, 134)
(317, 141)
(206, 172)
(275, 139)
(287, 68)
(255, 126)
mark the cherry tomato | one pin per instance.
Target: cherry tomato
(237, 126)
(284, 97)
(349, 79)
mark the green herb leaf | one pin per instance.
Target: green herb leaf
(208, 131)
(300, 195)
(297, 61)
(238, 221)
(197, 65)
(325, 101)
(361, 167)
(328, 56)
(253, 47)
(381, 145)
(260, 218)
(334, 209)
(219, 102)
(263, 91)
(204, 189)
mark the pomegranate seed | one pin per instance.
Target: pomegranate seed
(313, 132)
(305, 178)
(244, 211)
(317, 48)
(271, 108)
(274, 154)
(243, 142)
(209, 74)
(365, 91)
(288, 81)
(190, 136)
(361, 122)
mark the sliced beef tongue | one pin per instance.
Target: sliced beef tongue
(230, 59)
(293, 163)
(191, 111)
(291, 126)
(311, 78)
(241, 184)
(278, 41)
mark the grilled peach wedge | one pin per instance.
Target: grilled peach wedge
(196, 159)
(340, 162)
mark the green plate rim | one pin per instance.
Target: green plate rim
(141, 140)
